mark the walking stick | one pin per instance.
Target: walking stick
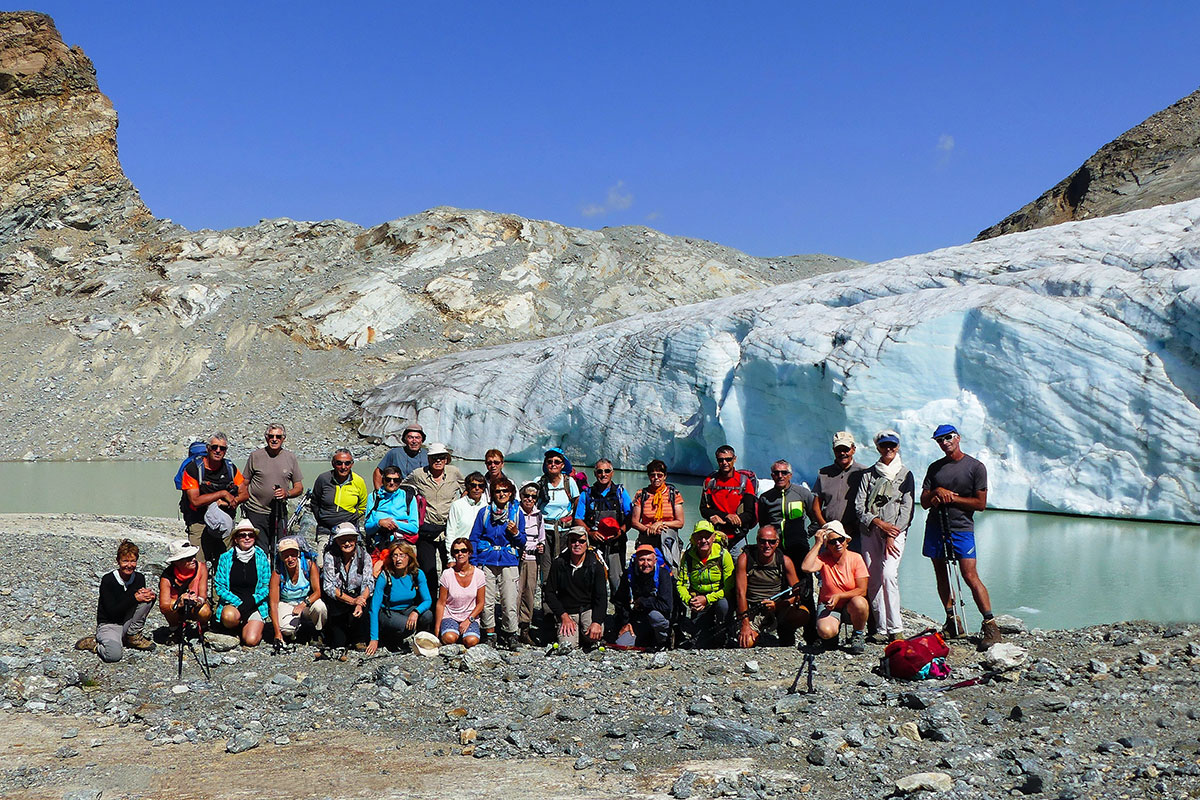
(956, 612)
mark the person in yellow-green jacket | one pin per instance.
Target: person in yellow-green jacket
(338, 496)
(705, 581)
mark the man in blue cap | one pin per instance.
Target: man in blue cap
(955, 487)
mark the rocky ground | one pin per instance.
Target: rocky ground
(1108, 711)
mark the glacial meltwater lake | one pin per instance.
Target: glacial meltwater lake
(1052, 571)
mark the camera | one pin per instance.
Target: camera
(186, 606)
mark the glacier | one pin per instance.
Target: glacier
(1066, 356)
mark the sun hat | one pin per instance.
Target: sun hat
(836, 530)
(887, 437)
(425, 644)
(245, 525)
(413, 426)
(942, 430)
(181, 549)
(437, 449)
(343, 529)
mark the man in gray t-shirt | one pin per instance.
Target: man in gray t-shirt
(837, 484)
(272, 473)
(955, 487)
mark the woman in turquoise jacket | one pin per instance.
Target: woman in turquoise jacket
(242, 584)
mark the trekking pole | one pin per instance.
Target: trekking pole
(182, 636)
(957, 610)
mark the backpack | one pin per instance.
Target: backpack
(660, 566)
(920, 657)
(747, 485)
(606, 505)
(196, 450)
(544, 490)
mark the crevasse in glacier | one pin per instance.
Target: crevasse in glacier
(1067, 356)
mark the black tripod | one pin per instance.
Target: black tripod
(191, 627)
(956, 611)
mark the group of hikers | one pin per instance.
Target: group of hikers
(428, 551)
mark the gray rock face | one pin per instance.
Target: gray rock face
(942, 723)
(1153, 163)
(727, 731)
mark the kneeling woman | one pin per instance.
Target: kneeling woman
(183, 588)
(242, 585)
(295, 591)
(461, 592)
(400, 602)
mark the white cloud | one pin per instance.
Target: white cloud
(945, 143)
(653, 215)
(617, 198)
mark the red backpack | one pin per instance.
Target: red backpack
(922, 656)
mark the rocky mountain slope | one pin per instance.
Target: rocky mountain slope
(122, 335)
(1069, 358)
(1154, 163)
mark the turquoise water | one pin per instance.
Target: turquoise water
(1052, 571)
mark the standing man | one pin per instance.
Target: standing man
(604, 509)
(955, 487)
(727, 500)
(440, 483)
(338, 496)
(407, 457)
(493, 468)
(837, 485)
(783, 507)
(272, 473)
(212, 490)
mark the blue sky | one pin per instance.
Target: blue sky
(862, 130)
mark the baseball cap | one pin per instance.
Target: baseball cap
(843, 439)
(942, 430)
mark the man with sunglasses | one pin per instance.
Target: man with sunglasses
(955, 487)
(763, 571)
(727, 500)
(836, 488)
(338, 496)
(212, 490)
(272, 473)
(784, 507)
(604, 508)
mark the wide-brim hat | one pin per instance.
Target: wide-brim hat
(437, 449)
(344, 529)
(180, 549)
(836, 529)
(413, 426)
(425, 644)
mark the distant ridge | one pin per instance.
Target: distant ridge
(1155, 163)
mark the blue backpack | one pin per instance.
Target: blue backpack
(195, 450)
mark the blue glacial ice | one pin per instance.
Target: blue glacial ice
(1066, 356)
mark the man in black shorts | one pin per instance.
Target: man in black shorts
(956, 486)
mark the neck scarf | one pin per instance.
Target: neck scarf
(184, 576)
(500, 514)
(244, 556)
(889, 471)
(658, 502)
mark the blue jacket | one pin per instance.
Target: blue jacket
(400, 505)
(262, 585)
(491, 544)
(407, 590)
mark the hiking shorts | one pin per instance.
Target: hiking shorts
(451, 624)
(963, 543)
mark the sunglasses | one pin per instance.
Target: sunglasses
(657, 474)
(493, 462)
(391, 480)
(949, 437)
(440, 457)
(555, 461)
(781, 472)
(723, 459)
(471, 486)
(836, 542)
(501, 491)
(841, 451)
(604, 472)
(244, 535)
(456, 550)
(343, 463)
(274, 436)
(888, 446)
(218, 448)
(529, 496)
(768, 541)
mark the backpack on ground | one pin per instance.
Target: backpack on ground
(918, 658)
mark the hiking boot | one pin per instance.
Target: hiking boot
(990, 633)
(858, 644)
(954, 627)
(87, 643)
(136, 641)
(526, 638)
(506, 641)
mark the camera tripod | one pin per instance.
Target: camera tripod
(191, 627)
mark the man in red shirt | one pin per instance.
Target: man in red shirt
(728, 502)
(843, 585)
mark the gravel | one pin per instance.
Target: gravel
(1053, 728)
